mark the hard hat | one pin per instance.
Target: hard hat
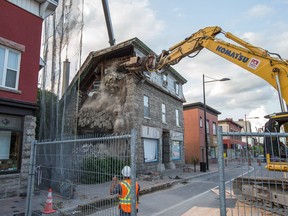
(126, 171)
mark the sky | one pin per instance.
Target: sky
(162, 23)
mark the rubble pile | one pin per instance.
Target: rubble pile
(105, 110)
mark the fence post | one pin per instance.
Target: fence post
(31, 178)
(133, 171)
(221, 172)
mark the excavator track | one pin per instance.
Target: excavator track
(268, 194)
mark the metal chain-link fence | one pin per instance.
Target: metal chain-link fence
(261, 187)
(79, 172)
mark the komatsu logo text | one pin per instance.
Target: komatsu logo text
(232, 54)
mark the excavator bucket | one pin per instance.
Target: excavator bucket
(139, 64)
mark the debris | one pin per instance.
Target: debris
(105, 109)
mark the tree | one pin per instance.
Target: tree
(45, 123)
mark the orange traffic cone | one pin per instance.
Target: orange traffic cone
(48, 209)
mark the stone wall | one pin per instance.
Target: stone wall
(124, 110)
(28, 138)
(156, 98)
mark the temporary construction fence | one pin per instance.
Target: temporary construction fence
(260, 186)
(78, 173)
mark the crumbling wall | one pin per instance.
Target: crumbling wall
(105, 109)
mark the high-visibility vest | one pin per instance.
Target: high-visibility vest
(125, 198)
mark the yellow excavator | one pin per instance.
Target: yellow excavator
(268, 66)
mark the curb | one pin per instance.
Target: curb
(162, 186)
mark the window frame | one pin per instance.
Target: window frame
(156, 159)
(214, 125)
(207, 126)
(177, 117)
(14, 125)
(163, 113)
(177, 88)
(201, 122)
(179, 150)
(147, 108)
(164, 79)
(5, 68)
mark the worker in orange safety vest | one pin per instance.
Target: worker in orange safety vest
(123, 189)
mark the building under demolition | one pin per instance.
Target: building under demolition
(105, 98)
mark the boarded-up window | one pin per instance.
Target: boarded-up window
(150, 150)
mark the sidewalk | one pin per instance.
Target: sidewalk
(87, 194)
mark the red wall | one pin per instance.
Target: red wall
(193, 134)
(23, 28)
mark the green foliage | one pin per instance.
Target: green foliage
(194, 160)
(46, 101)
(258, 150)
(99, 170)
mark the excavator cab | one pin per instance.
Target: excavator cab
(276, 146)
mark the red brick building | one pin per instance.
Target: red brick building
(233, 145)
(20, 41)
(194, 135)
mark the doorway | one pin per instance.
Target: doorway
(165, 147)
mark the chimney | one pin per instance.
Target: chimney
(66, 74)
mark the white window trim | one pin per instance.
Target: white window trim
(12, 44)
(201, 122)
(163, 113)
(214, 125)
(147, 117)
(6, 50)
(165, 79)
(150, 151)
(177, 117)
(177, 88)
(207, 126)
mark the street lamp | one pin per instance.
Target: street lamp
(246, 130)
(205, 126)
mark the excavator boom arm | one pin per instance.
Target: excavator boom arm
(254, 59)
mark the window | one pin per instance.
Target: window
(177, 117)
(146, 107)
(176, 153)
(201, 122)
(163, 113)
(10, 143)
(214, 129)
(9, 68)
(177, 88)
(150, 150)
(164, 79)
(207, 126)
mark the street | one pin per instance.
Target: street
(182, 197)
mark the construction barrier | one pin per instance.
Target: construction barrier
(79, 171)
(48, 209)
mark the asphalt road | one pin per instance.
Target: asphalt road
(182, 197)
